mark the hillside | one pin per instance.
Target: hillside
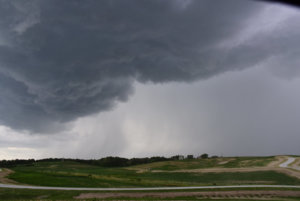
(193, 172)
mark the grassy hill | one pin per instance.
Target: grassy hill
(222, 162)
(75, 174)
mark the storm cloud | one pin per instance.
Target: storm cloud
(61, 60)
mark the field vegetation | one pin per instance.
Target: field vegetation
(76, 174)
(220, 162)
(29, 194)
(116, 172)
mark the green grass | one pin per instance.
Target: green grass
(73, 174)
(239, 162)
(222, 162)
(28, 194)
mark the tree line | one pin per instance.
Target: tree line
(109, 161)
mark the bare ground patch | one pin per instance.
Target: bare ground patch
(296, 164)
(278, 161)
(215, 194)
(223, 162)
(3, 177)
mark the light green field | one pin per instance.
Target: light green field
(74, 174)
(28, 194)
(222, 162)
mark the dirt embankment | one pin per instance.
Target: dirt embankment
(272, 166)
(296, 164)
(278, 160)
(220, 194)
(3, 174)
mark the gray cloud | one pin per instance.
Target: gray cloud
(66, 59)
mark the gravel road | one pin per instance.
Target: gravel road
(287, 162)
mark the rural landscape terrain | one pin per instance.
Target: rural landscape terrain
(221, 178)
(97, 97)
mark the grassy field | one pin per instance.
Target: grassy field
(73, 174)
(222, 162)
(27, 194)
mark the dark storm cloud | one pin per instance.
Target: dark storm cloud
(65, 59)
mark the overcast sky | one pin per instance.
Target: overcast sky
(137, 78)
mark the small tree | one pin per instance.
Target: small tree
(204, 156)
(190, 156)
(176, 157)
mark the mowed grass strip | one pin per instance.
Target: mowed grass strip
(73, 174)
(29, 194)
(208, 199)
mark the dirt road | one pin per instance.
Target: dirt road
(145, 188)
(289, 161)
(3, 174)
(282, 164)
(213, 194)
